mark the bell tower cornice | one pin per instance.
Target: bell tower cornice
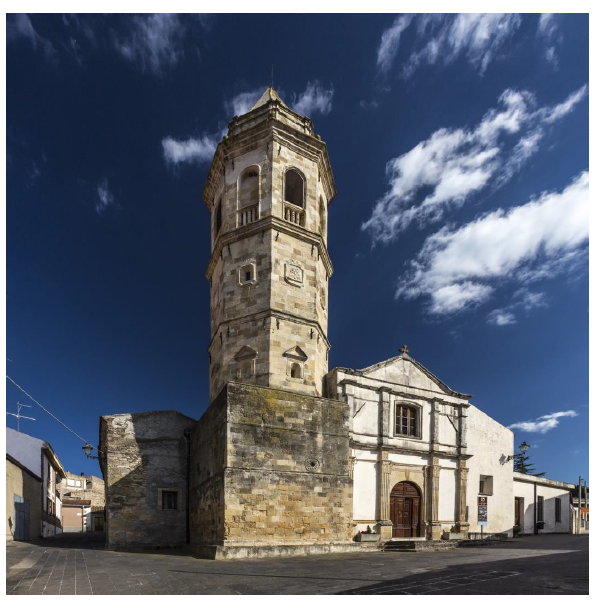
(267, 125)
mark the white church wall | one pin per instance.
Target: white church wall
(489, 443)
(447, 491)
(364, 490)
(408, 459)
(448, 425)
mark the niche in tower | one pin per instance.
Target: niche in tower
(296, 362)
(242, 366)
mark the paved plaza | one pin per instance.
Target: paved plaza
(78, 564)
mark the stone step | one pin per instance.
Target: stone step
(416, 545)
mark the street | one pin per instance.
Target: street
(78, 564)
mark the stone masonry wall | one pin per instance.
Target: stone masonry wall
(145, 454)
(285, 480)
(207, 466)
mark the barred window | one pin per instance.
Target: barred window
(558, 510)
(540, 504)
(406, 420)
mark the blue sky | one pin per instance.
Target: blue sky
(459, 146)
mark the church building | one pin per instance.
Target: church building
(289, 457)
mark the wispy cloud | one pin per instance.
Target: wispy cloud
(315, 99)
(105, 198)
(457, 269)
(454, 163)
(523, 300)
(548, 31)
(443, 39)
(242, 102)
(19, 26)
(542, 424)
(389, 44)
(191, 150)
(154, 42)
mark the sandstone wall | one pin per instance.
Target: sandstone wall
(285, 480)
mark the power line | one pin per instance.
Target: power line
(48, 412)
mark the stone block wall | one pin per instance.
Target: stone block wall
(143, 455)
(285, 475)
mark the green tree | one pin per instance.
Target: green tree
(522, 464)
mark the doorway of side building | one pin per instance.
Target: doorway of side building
(405, 509)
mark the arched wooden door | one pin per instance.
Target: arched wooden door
(405, 509)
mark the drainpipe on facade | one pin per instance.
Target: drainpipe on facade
(188, 442)
(579, 501)
(535, 510)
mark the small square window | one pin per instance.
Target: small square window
(486, 485)
(169, 500)
(247, 274)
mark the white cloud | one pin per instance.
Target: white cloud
(444, 38)
(548, 31)
(154, 42)
(524, 300)
(105, 199)
(18, 25)
(459, 268)
(243, 102)
(542, 424)
(314, 99)
(191, 150)
(501, 317)
(389, 44)
(454, 163)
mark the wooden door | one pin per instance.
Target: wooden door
(405, 508)
(21, 518)
(517, 511)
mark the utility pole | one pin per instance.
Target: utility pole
(579, 501)
(18, 415)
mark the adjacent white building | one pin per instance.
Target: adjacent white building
(37, 456)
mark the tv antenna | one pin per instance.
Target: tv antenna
(18, 415)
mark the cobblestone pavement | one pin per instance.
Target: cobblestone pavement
(78, 565)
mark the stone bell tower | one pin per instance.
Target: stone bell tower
(268, 192)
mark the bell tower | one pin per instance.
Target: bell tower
(268, 191)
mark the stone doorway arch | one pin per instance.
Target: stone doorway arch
(405, 510)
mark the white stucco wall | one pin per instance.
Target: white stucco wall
(26, 449)
(524, 487)
(364, 490)
(490, 443)
(448, 497)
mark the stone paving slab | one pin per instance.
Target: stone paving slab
(556, 565)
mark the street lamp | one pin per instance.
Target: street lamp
(523, 448)
(87, 450)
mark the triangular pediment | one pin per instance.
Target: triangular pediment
(296, 353)
(405, 371)
(246, 352)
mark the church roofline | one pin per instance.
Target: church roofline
(445, 388)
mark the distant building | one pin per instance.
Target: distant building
(83, 503)
(33, 500)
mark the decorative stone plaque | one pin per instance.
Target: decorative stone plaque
(293, 273)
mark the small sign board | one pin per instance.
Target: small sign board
(482, 510)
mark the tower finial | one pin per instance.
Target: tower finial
(272, 75)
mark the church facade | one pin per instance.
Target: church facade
(290, 457)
